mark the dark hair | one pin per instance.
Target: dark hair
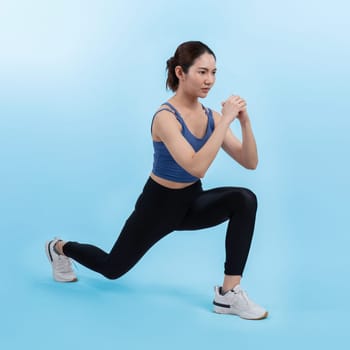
(184, 56)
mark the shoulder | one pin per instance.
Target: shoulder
(216, 116)
(164, 122)
(164, 113)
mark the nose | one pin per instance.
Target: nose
(210, 79)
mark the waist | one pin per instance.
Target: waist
(169, 183)
(193, 188)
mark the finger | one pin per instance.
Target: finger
(242, 107)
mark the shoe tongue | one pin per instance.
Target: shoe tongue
(237, 289)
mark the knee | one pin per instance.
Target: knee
(249, 199)
(112, 275)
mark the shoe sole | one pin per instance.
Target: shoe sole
(49, 256)
(228, 311)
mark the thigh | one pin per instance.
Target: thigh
(212, 207)
(155, 216)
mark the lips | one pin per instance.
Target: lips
(205, 89)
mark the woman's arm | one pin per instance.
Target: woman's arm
(245, 151)
(167, 129)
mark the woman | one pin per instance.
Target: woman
(186, 138)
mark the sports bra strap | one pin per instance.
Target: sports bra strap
(210, 119)
(173, 110)
(171, 106)
(163, 109)
(159, 110)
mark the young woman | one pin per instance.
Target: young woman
(186, 137)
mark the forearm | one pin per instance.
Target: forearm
(202, 159)
(249, 153)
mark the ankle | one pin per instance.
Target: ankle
(58, 247)
(230, 282)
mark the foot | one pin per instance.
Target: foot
(61, 265)
(236, 302)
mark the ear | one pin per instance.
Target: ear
(180, 74)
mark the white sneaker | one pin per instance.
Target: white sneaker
(236, 302)
(61, 265)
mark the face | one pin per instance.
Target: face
(200, 76)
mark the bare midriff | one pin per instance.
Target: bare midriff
(170, 184)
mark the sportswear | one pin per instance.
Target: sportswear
(61, 265)
(236, 302)
(159, 211)
(164, 164)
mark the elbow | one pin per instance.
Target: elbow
(198, 173)
(251, 165)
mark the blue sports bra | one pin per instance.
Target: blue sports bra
(164, 164)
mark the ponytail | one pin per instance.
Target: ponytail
(172, 81)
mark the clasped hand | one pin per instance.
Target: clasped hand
(234, 107)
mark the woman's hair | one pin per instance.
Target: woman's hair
(184, 56)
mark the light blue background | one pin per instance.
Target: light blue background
(80, 81)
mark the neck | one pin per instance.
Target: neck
(190, 102)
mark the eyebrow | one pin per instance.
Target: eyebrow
(206, 68)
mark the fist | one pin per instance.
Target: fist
(232, 107)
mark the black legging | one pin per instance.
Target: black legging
(160, 210)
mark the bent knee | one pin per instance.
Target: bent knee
(251, 197)
(248, 199)
(112, 275)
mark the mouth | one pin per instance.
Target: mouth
(206, 90)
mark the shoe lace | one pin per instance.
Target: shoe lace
(64, 264)
(243, 294)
